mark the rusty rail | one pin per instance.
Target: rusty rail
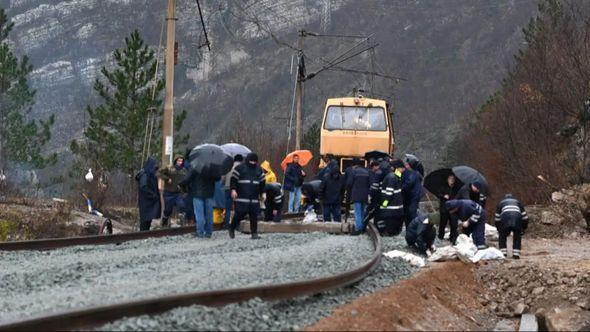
(50, 244)
(97, 316)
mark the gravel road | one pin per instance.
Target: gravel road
(294, 314)
(33, 283)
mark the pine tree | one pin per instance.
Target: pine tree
(114, 137)
(21, 140)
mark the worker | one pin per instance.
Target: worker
(273, 194)
(311, 194)
(328, 162)
(412, 192)
(421, 232)
(472, 219)
(449, 192)
(148, 194)
(511, 217)
(238, 159)
(375, 178)
(473, 192)
(173, 197)
(390, 218)
(247, 185)
(331, 194)
(294, 176)
(358, 186)
(269, 175)
(202, 190)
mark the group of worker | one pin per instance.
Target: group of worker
(195, 196)
(387, 191)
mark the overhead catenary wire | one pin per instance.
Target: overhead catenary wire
(339, 62)
(207, 43)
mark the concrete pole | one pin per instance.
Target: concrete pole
(167, 119)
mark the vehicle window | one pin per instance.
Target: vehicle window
(355, 118)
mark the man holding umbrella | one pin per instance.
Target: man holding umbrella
(294, 175)
(209, 162)
(247, 186)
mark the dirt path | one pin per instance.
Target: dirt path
(457, 296)
(443, 297)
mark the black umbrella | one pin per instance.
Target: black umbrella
(415, 163)
(436, 181)
(376, 154)
(210, 160)
(469, 175)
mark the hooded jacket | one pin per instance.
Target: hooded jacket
(270, 176)
(332, 187)
(148, 199)
(248, 181)
(173, 175)
(420, 233)
(412, 187)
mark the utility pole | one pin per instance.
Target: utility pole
(167, 123)
(299, 91)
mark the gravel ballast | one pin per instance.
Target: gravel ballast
(33, 283)
(294, 314)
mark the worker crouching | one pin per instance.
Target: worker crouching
(247, 186)
(421, 232)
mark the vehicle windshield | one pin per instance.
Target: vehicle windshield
(355, 118)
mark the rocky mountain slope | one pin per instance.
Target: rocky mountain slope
(451, 55)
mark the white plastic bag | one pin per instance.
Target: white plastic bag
(465, 248)
(410, 258)
(310, 217)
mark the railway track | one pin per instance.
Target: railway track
(50, 244)
(99, 315)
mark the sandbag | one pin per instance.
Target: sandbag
(414, 260)
(310, 217)
(491, 233)
(448, 253)
(487, 254)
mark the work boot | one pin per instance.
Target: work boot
(232, 233)
(255, 236)
(164, 222)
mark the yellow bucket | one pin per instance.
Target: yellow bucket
(217, 216)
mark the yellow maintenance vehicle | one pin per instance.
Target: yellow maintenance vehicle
(353, 126)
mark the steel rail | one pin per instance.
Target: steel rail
(50, 244)
(100, 315)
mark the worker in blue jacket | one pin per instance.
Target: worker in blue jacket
(412, 193)
(511, 217)
(472, 218)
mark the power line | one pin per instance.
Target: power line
(203, 25)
